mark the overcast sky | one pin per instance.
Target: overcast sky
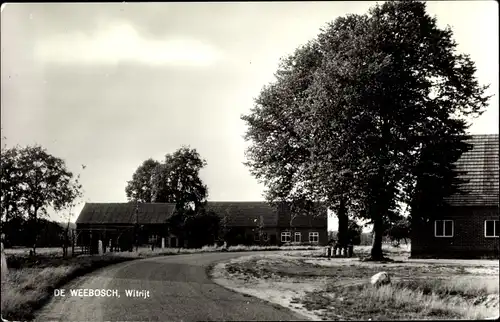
(110, 85)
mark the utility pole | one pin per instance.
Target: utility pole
(136, 225)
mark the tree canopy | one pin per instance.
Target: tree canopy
(140, 187)
(175, 180)
(349, 118)
(34, 181)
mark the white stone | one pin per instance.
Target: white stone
(381, 278)
(100, 247)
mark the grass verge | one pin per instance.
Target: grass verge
(28, 289)
(406, 300)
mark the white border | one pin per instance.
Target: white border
(286, 233)
(495, 233)
(452, 228)
(297, 233)
(315, 234)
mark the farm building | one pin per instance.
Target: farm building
(469, 229)
(119, 224)
(244, 219)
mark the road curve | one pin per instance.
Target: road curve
(179, 290)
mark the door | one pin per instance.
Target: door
(297, 237)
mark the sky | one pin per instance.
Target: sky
(111, 85)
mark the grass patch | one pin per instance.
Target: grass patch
(415, 299)
(147, 252)
(28, 289)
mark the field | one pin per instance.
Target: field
(31, 280)
(339, 289)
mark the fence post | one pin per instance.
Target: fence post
(3, 267)
(162, 242)
(73, 241)
(100, 249)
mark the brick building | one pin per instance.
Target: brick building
(120, 224)
(470, 228)
(278, 226)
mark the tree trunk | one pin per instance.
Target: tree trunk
(34, 231)
(343, 224)
(378, 230)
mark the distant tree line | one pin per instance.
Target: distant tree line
(16, 230)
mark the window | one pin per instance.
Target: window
(286, 236)
(443, 228)
(298, 237)
(313, 237)
(491, 228)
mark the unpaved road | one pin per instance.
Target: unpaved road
(179, 288)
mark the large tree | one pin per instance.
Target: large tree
(139, 188)
(36, 181)
(175, 180)
(352, 111)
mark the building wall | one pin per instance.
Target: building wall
(304, 231)
(468, 239)
(121, 235)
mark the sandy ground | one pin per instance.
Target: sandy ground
(280, 292)
(283, 291)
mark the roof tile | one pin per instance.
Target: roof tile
(480, 168)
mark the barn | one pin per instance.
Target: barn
(119, 225)
(469, 229)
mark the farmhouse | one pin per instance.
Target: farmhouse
(118, 225)
(470, 228)
(278, 225)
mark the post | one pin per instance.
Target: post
(162, 242)
(136, 225)
(73, 242)
(100, 248)
(3, 267)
